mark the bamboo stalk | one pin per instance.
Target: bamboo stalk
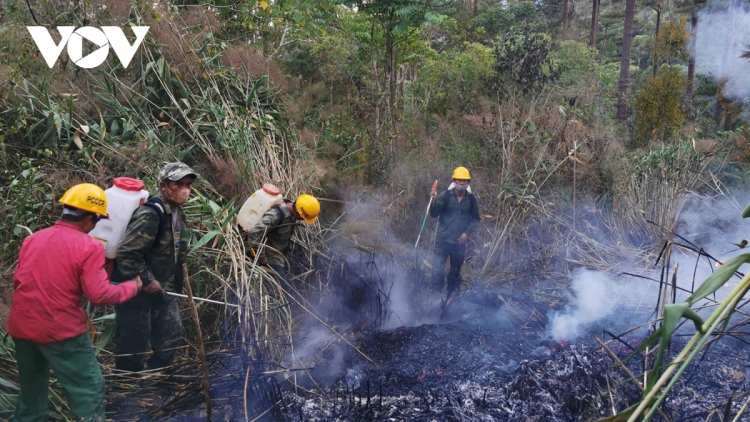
(688, 352)
(201, 350)
(627, 371)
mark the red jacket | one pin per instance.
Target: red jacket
(56, 267)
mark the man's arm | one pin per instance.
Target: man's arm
(138, 241)
(255, 235)
(437, 205)
(95, 283)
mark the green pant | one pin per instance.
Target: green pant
(76, 368)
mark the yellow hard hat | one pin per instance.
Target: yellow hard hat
(86, 197)
(461, 173)
(308, 207)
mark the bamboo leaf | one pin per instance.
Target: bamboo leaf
(746, 212)
(718, 278)
(646, 343)
(206, 238)
(620, 417)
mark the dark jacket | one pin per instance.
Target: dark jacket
(455, 217)
(139, 255)
(278, 229)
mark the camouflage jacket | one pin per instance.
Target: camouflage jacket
(137, 253)
(456, 218)
(278, 233)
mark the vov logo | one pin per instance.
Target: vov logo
(107, 36)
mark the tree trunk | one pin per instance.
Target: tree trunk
(691, 60)
(656, 38)
(390, 118)
(594, 22)
(718, 109)
(624, 82)
(566, 5)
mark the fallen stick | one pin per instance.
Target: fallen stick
(201, 350)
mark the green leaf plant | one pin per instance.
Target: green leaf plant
(658, 386)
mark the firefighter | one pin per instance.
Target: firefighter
(154, 248)
(457, 210)
(278, 225)
(56, 267)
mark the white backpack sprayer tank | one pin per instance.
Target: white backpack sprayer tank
(257, 204)
(123, 198)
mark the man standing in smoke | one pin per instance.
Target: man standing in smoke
(457, 210)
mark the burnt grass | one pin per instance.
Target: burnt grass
(486, 360)
(474, 369)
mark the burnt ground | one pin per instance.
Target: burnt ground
(473, 369)
(488, 359)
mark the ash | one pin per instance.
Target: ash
(471, 370)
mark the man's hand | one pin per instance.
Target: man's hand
(153, 288)
(463, 239)
(138, 283)
(263, 260)
(433, 193)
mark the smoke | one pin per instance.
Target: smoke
(723, 35)
(354, 377)
(319, 348)
(602, 300)
(596, 296)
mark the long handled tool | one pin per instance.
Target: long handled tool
(202, 299)
(426, 213)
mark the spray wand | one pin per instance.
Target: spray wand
(201, 299)
(426, 213)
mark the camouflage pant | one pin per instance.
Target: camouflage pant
(137, 325)
(281, 273)
(456, 253)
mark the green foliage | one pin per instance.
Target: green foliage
(676, 156)
(663, 377)
(343, 143)
(400, 16)
(523, 60)
(271, 22)
(706, 85)
(455, 79)
(575, 60)
(657, 106)
(672, 41)
(298, 62)
(26, 203)
(496, 20)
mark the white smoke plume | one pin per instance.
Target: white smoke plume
(722, 36)
(602, 300)
(596, 296)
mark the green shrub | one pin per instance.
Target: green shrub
(657, 105)
(575, 60)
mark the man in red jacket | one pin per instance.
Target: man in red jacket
(56, 267)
